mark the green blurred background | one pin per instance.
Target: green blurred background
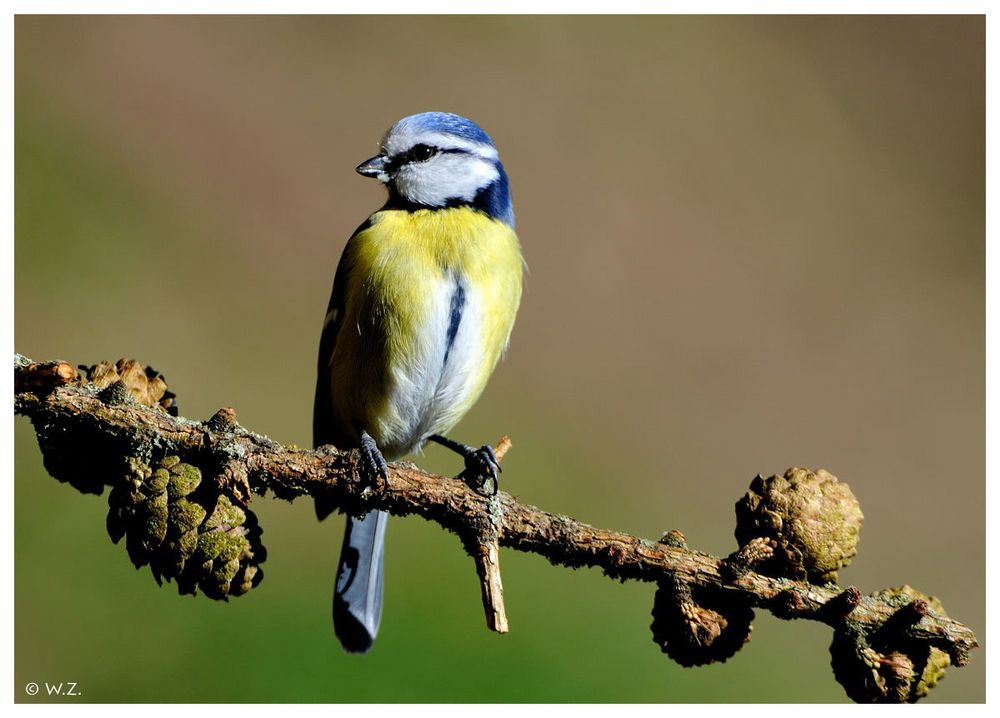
(753, 243)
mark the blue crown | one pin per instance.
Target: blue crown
(447, 122)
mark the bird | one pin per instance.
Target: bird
(422, 308)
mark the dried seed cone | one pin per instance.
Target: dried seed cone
(85, 457)
(937, 661)
(143, 382)
(814, 518)
(889, 668)
(870, 676)
(186, 531)
(694, 634)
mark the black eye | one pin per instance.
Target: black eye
(420, 153)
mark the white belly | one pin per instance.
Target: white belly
(432, 386)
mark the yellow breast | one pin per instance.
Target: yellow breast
(431, 301)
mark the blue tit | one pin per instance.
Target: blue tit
(423, 304)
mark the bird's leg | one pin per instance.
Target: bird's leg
(373, 465)
(482, 469)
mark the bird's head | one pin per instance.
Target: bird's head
(439, 159)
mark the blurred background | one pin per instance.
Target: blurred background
(753, 243)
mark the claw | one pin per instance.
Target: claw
(482, 471)
(481, 465)
(373, 464)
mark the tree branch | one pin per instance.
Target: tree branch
(75, 420)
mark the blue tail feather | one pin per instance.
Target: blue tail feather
(357, 596)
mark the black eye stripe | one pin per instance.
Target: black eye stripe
(420, 153)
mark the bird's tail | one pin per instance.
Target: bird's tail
(357, 596)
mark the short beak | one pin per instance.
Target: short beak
(376, 167)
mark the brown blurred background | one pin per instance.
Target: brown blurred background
(753, 242)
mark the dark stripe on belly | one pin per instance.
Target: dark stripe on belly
(455, 317)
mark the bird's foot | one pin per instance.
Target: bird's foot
(374, 469)
(482, 470)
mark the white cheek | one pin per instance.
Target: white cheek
(446, 176)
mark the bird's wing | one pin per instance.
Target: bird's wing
(325, 430)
